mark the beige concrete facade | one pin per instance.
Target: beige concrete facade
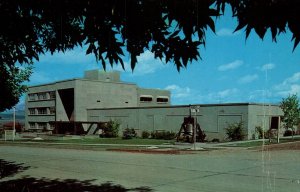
(69, 100)
(213, 118)
(101, 96)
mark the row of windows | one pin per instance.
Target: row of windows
(42, 111)
(41, 96)
(149, 98)
(41, 125)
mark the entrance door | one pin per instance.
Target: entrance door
(274, 123)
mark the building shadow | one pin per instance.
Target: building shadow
(30, 184)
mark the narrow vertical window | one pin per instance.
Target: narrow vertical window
(52, 94)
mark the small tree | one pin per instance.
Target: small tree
(235, 131)
(111, 129)
(291, 111)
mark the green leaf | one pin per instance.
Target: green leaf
(133, 61)
(211, 24)
(175, 33)
(297, 40)
(91, 48)
(274, 33)
(239, 27)
(122, 63)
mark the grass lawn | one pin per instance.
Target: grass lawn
(135, 141)
(87, 144)
(248, 144)
(260, 143)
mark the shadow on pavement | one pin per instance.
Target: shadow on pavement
(8, 169)
(30, 184)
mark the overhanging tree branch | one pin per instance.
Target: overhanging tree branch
(172, 29)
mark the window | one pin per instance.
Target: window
(52, 110)
(52, 94)
(32, 111)
(52, 126)
(146, 98)
(42, 111)
(42, 125)
(162, 99)
(31, 97)
(42, 96)
(32, 125)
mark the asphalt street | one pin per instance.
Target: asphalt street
(227, 170)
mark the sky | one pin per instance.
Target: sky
(232, 69)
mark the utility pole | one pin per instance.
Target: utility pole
(195, 109)
(278, 129)
(14, 124)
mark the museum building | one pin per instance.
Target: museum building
(79, 106)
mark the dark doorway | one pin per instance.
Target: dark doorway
(274, 123)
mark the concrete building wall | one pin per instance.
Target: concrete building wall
(113, 76)
(61, 114)
(73, 97)
(153, 97)
(47, 107)
(261, 116)
(92, 94)
(213, 119)
(101, 96)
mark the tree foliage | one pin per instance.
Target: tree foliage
(111, 129)
(291, 111)
(235, 131)
(12, 87)
(172, 30)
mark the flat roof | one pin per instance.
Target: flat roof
(184, 106)
(80, 79)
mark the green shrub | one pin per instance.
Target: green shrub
(111, 129)
(288, 132)
(152, 135)
(169, 135)
(259, 130)
(215, 140)
(157, 135)
(129, 133)
(145, 134)
(166, 135)
(235, 131)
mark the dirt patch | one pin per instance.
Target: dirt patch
(154, 151)
(284, 146)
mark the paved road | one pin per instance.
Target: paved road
(222, 170)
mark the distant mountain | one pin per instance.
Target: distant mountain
(8, 115)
